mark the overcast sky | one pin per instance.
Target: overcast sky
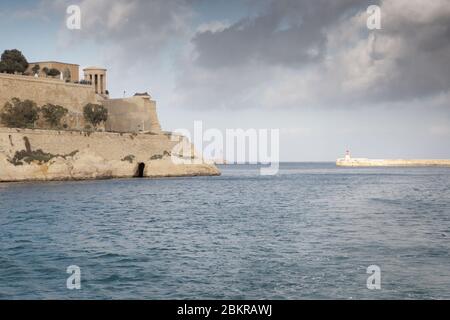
(308, 67)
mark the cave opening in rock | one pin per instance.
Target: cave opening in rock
(140, 170)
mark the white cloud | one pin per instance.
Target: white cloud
(440, 130)
(248, 64)
(130, 32)
(213, 26)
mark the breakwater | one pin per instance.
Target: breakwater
(364, 162)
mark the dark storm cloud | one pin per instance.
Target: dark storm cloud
(290, 32)
(422, 61)
(408, 58)
(132, 30)
(285, 53)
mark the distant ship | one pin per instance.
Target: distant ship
(348, 161)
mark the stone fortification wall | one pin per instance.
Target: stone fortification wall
(42, 91)
(132, 115)
(27, 154)
(135, 114)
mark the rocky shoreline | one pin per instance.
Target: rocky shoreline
(41, 155)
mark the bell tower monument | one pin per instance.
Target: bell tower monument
(97, 76)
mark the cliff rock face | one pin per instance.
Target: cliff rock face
(40, 155)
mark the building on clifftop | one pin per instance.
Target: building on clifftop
(133, 114)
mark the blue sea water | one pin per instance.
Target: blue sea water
(309, 232)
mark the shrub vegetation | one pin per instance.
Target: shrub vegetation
(13, 61)
(36, 68)
(19, 114)
(53, 72)
(53, 114)
(95, 113)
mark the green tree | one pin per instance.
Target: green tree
(53, 114)
(13, 61)
(19, 114)
(95, 113)
(67, 75)
(53, 72)
(36, 68)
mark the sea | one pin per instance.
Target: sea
(312, 231)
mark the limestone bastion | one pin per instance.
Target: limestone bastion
(129, 144)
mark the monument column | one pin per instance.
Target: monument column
(98, 78)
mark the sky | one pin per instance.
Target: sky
(310, 68)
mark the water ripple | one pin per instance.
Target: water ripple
(309, 232)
